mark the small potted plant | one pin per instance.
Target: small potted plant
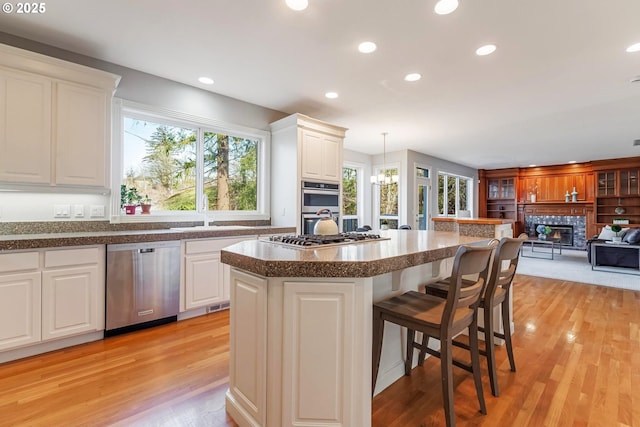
(616, 228)
(145, 204)
(542, 231)
(129, 199)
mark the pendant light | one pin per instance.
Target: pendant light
(382, 178)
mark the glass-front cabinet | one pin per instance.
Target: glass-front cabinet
(607, 183)
(501, 188)
(629, 182)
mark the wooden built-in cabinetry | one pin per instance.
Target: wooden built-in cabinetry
(618, 195)
(606, 190)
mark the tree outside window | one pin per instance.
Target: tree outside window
(349, 199)
(388, 197)
(164, 161)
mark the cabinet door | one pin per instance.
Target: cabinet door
(82, 135)
(311, 156)
(70, 301)
(331, 158)
(204, 284)
(25, 128)
(20, 296)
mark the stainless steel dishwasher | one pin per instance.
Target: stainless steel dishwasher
(143, 285)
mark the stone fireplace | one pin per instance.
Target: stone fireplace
(570, 229)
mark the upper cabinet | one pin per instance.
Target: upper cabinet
(623, 182)
(307, 149)
(321, 156)
(55, 121)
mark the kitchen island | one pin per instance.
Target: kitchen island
(300, 328)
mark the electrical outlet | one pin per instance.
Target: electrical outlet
(96, 211)
(62, 211)
(78, 211)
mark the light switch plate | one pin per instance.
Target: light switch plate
(62, 211)
(78, 211)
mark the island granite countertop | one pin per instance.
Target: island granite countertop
(404, 248)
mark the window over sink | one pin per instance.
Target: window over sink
(189, 166)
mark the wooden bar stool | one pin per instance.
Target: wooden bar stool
(440, 319)
(496, 293)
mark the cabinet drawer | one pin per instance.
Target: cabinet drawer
(73, 257)
(19, 261)
(211, 245)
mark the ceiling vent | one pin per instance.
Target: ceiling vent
(636, 79)
(636, 143)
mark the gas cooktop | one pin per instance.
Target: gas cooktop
(316, 240)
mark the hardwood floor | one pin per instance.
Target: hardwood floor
(577, 350)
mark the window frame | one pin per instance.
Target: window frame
(359, 193)
(123, 108)
(470, 193)
(377, 217)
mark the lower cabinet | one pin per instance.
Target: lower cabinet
(19, 309)
(206, 279)
(50, 294)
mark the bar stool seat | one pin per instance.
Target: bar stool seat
(441, 319)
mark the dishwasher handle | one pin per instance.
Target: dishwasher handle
(146, 250)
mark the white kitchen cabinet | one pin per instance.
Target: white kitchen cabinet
(19, 299)
(205, 278)
(302, 149)
(321, 156)
(82, 135)
(55, 121)
(50, 294)
(25, 127)
(72, 291)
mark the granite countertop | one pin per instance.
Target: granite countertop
(405, 248)
(474, 220)
(48, 240)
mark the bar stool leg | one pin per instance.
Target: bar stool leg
(490, 349)
(411, 334)
(475, 363)
(506, 325)
(446, 368)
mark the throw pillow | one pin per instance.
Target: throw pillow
(606, 233)
(632, 237)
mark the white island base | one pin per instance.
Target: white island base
(301, 346)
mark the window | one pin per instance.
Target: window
(349, 198)
(179, 164)
(454, 194)
(388, 199)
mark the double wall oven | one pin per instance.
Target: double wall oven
(317, 196)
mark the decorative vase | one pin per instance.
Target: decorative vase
(146, 208)
(542, 236)
(130, 209)
(533, 198)
(616, 239)
(566, 197)
(574, 195)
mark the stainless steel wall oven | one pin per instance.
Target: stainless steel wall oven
(317, 196)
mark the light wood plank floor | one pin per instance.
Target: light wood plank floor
(577, 350)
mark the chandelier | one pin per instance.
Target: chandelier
(384, 177)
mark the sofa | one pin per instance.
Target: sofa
(613, 255)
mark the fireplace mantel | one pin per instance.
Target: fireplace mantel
(556, 208)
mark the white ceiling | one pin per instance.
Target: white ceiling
(557, 89)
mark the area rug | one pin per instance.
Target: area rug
(573, 266)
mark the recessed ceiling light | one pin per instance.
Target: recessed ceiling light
(635, 79)
(205, 80)
(412, 77)
(486, 49)
(297, 4)
(532, 166)
(331, 95)
(367, 47)
(634, 48)
(572, 162)
(444, 7)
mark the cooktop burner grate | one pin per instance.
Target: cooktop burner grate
(315, 240)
